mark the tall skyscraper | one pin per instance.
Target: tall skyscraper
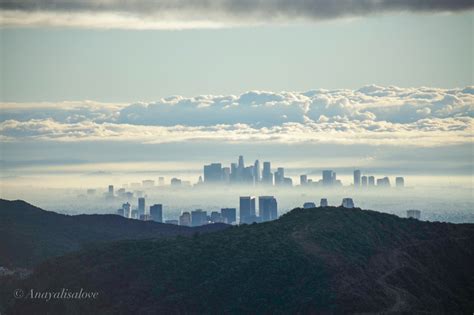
(364, 181)
(399, 182)
(198, 217)
(267, 208)
(110, 193)
(185, 219)
(303, 180)
(356, 178)
(141, 207)
(256, 171)
(329, 177)
(241, 162)
(229, 215)
(279, 176)
(213, 173)
(127, 210)
(226, 175)
(247, 209)
(267, 176)
(156, 213)
(371, 181)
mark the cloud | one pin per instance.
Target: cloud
(178, 14)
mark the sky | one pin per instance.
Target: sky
(90, 86)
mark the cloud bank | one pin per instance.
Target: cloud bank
(371, 115)
(178, 14)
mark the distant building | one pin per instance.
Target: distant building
(267, 208)
(141, 206)
(198, 217)
(225, 175)
(127, 210)
(185, 219)
(216, 217)
(148, 183)
(267, 176)
(309, 205)
(156, 212)
(279, 176)
(213, 173)
(91, 192)
(175, 182)
(174, 222)
(371, 181)
(303, 180)
(229, 215)
(364, 181)
(356, 178)
(287, 182)
(348, 203)
(256, 171)
(323, 203)
(247, 209)
(161, 181)
(383, 182)
(329, 178)
(135, 214)
(111, 190)
(399, 182)
(414, 214)
(120, 212)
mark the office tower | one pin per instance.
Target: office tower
(303, 180)
(371, 181)
(141, 207)
(256, 171)
(156, 213)
(127, 210)
(241, 162)
(148, 183)
(414, 214)
(348, 203)
(226, 175)
(309, 205)
(279, 176)
(248, 175)
(399, 182)
(267, 208)
(233, 172)
(161, 181)
(356, 178)
(267, 176)
(383, 182)
(323, 203)
(363, 181)
(247, 209)
(111, 190)
(213, 173)
(198, 217)
(329, 178)
(216, 217)
(229, 215)
(185, 219)
(120, 212)
(175, 182)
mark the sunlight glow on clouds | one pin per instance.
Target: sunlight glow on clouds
(371, 115)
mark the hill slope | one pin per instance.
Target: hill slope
(29, 235)
(324, 260)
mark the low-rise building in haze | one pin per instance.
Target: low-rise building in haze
(348, 203)
(309, 205)
(185, 219)
(400, 182)
(323, 203)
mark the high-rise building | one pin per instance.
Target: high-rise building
(247, 209)
(323, 203)
(279, 176)
(399, 182)
(185, 219)
(303, 180)
(371, 181)
(356, 178)
(348, 203)
(267, 176)
(233, 173)
(256, 171)
(241, 162)
(229, 215)
(198, 217)
(248, 175)
(267, 208)
(329, 178)
(141, 207)
(111, 190)
(156, 212)
(127, 210)
(226, 175)
(414, 214)
(216, 217)
(383, 182)
(213, 173)
(364, 181)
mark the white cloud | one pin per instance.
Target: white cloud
(371, 115)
